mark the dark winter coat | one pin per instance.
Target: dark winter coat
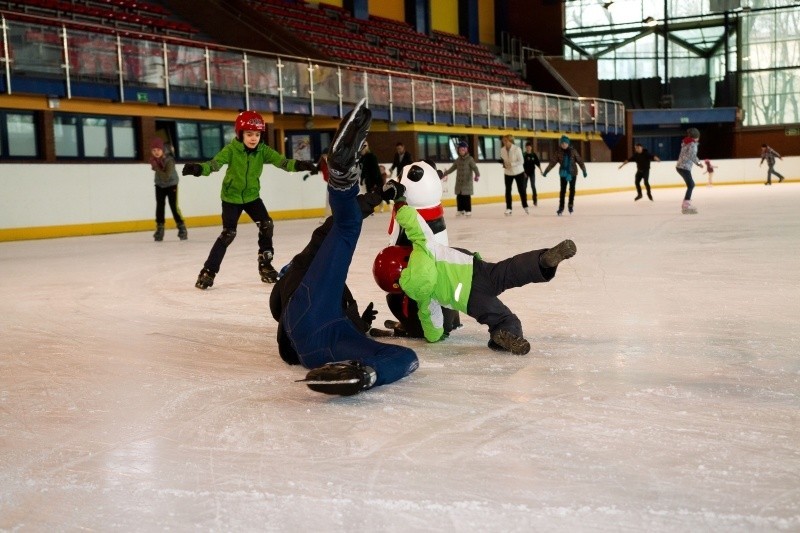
(370, 172)
(557, 158)
(465, 167)
(530, 161)
(400, 162)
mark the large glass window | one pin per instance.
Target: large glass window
(489, 147)
(18, 135)
(437, 147)
(94, 137)
(66, 136)
(202, 140)
(632, 39)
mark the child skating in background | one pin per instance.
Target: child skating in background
(166, 182)
(530, 163)
(568, 159)
(465, 168)
(245, 157)
(686, 159)
(710, 171)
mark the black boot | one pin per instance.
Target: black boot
(182, 233)
(344, 378)
(347, 142)
(265, 268)
(158, 236)
(505, 340)
(552, 257)
(205, 279)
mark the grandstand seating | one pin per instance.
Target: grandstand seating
(119, 14)
(389, 44)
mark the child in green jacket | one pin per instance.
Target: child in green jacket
(241, 187)
(438, 276)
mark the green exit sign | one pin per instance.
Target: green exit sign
(141, 97)
(684, 120)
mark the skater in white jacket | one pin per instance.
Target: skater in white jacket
(686, 159)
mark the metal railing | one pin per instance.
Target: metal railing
(82, 60)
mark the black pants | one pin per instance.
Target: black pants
(171, 194)
(489, 280)
(521, 186)
(643, 175)
(464, 202)
(534, 196)
(563, 192)
(230, 220)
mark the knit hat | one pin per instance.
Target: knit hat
(157, 142)
(462, 144)
(564, 139)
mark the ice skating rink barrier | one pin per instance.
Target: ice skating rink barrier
(45, 200)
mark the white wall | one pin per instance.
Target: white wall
(39, 195)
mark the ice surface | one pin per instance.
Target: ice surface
(660, 393)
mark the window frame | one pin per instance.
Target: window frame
(111, 122)
(5, 139)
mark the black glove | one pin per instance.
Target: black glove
(192, 169)
(369, 315)
(392, 190)
(305, 166)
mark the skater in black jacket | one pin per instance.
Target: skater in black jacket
(530, 162)
(642, 158)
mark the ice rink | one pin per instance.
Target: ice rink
(661, 392)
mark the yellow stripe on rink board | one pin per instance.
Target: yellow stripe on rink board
(104, 228)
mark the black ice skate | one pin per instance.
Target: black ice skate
(265, 268)
(509, 342)
(182, 233)
(563, 250)
(345, 378)
(346, 144)
(158, 236)
(205, 279)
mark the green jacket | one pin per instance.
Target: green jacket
(437, 276)
(242, 182)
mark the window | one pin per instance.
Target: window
(489, 148)
(18, 135)
(437, 147)
(94, 137)
(763, 42)
(202, 140)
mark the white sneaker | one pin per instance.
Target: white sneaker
(468, 213)
(508, 212)
(527, 211)
(460, 214)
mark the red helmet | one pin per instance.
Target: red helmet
(388, 265)
(248, 121)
